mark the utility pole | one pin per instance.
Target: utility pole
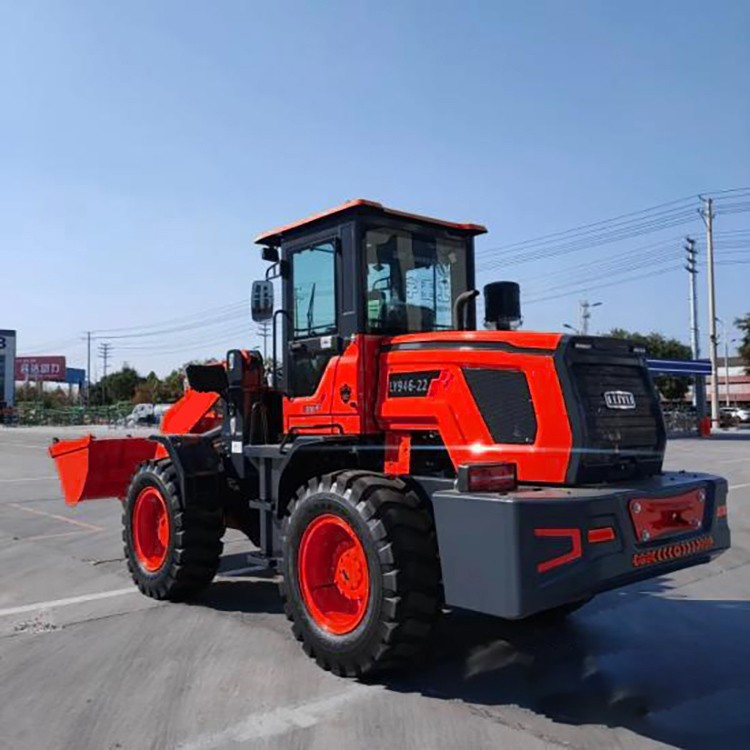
(105, 350)
(88, 368)
(264, 333)
(699, 383)
(708, 217)
(586, 315)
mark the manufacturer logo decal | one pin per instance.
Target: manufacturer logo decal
(619, 400)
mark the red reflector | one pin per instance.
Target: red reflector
(662, 517)
(487, 478)
(603, 534)
(575, 547)
(673, 551)
(721, 511)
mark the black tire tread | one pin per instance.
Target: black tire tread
(196, 534)
(404, 533)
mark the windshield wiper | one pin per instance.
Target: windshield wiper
(310, 308)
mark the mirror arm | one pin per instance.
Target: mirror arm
(273, 344)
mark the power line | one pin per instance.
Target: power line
(588, 228)
(611, 269)
(617, 267)
(686, 217)
(198, 314)
(597, 287)
(177, 329)
(606, 231)
(629, 258)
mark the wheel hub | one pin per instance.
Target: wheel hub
(150, 529)
(333, 574)
(350, 574)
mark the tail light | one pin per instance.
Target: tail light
(487, 478)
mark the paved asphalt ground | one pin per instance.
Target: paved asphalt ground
(87, 662)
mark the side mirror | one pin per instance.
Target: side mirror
(261, 301)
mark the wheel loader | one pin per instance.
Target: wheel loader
(402, 461)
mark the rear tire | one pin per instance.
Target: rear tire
(172, 553)
(381, 599)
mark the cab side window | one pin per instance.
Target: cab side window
(314, 278)
(313, 316)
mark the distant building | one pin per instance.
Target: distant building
(7, 368)
(739, 381)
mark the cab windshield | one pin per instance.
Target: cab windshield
(412, 280)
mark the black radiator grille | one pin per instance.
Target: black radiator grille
(633, 431)
(504, 401)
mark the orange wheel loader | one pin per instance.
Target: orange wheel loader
(402, 461)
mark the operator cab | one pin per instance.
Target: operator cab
(364, 268)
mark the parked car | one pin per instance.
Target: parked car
(732, 415)
(146, 414)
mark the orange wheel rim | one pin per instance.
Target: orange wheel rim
(333, 574)
(150, 529)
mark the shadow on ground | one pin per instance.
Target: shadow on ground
(677, 671)
(245, 597)
(673, 670)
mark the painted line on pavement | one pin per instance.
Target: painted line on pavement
(281, 720)
(55, 603)
(82, 524)
(30, 479)
(13, 444)
(739, 486)
(42, 537)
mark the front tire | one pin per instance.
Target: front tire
(172, 553)
(361, 576)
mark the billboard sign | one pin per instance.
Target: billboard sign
(41, 368)
(75, 376)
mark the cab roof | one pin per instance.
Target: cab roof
(276, 236)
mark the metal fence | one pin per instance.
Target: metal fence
(680, 422)
(33, 414)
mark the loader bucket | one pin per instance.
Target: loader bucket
(90, 468)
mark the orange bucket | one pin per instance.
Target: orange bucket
(91, 468)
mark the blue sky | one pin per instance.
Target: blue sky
(144, 144)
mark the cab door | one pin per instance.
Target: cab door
(313, 338)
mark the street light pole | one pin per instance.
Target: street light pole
(586, 314)
(725, 338)
(726, 367)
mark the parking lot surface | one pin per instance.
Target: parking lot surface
(87, 662)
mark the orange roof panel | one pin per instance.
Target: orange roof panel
(274, 236)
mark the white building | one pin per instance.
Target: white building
(738, 385)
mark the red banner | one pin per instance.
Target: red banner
(41, 368)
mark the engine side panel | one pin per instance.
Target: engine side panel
(423, 385)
